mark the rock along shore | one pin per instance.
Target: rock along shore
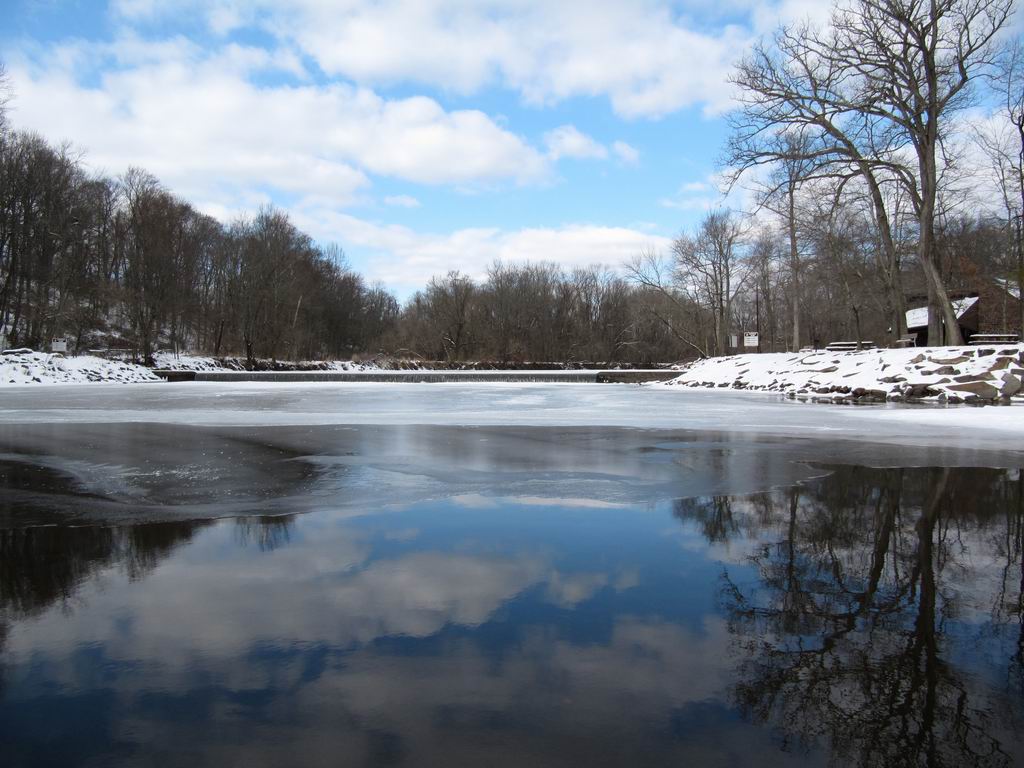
(979, 375)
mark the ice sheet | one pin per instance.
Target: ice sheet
(533, 404)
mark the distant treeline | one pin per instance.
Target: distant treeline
(537, 312)
(125, 264)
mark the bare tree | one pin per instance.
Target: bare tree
(5, 96)
(448, 307)
(795, 164)
(913, 62)
(875, 93)
(789, 118)
(1003, 143)
(794, 168)
(153, 222)
(712, 264)
(765, 254)
(658, 275)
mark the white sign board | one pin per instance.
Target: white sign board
(59, 345)
(750, 340)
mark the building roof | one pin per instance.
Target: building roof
(918, 318)
(1008, 286)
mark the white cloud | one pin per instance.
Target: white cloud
(768, 16)
(568, 141)
(648, 57)
(201, 124)
(695, 186)
(402, 201)
(974, 183)
(714, 192)
(688, 204)
(406, 259)
(627, 154)
(693, 196)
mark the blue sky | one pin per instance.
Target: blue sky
(420, 135)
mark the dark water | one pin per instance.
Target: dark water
(493, 597)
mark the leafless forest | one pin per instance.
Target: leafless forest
(881, 158)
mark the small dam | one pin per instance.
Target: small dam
(426, 376)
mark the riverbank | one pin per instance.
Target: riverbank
(974, 375)
(167, 361)
(23, 366)
(929, 374)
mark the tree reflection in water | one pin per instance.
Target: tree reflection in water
(266, 532)
(48, 565)
(41, 566)
(882, 601)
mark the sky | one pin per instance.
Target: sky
(421, 136)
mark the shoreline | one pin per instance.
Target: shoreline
(945, 375)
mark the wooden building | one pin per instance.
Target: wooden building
(993, 307)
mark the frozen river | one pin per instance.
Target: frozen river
(505, 574)
(495, 404)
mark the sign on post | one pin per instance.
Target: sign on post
(750, 340)
(59, 345)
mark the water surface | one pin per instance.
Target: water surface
(175, 595)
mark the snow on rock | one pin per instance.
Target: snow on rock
(168, 361)
(945, 374)
(23, 366)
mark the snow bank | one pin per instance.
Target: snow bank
(23, 366)
(943, 374)
(198, 363)
(168, 361)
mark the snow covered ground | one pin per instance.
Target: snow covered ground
(520, 404)
(171, 362)
(947, 374)
(22, 366)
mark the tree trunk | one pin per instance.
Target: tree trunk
(794, 267)
(1020, 223)
(726, 311)
(897, 304)
(929, 142)
(940, 311)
